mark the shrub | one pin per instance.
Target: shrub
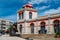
(58, 33)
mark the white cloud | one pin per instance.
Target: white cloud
(11, 17)
(43, 7)
(52, 11)
(40, 1)
(36, 1)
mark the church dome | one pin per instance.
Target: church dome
(27, 6)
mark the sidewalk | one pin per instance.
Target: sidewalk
(7, 37)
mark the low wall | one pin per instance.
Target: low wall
(48, 39)
(37, 36)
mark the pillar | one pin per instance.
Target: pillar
(24, 26)
(36, 27)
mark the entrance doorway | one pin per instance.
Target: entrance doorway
(20, 28)
(32, 28)
(56, 26)
(42, 30)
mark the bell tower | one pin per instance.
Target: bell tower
(27, 12)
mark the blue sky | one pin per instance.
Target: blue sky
(8, 8)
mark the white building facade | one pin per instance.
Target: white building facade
(4, 24)
(32, 24)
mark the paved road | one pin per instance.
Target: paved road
(7, 37)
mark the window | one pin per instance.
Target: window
(19, 16)
(22, 15)
(3, 22)
(3, 27)
(30, 15)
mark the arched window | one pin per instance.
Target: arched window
(22, 15)
(20, 28)
(56, 26)
(30, 15)
(42, 30)
(32, 27)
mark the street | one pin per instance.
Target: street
(7, 37)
